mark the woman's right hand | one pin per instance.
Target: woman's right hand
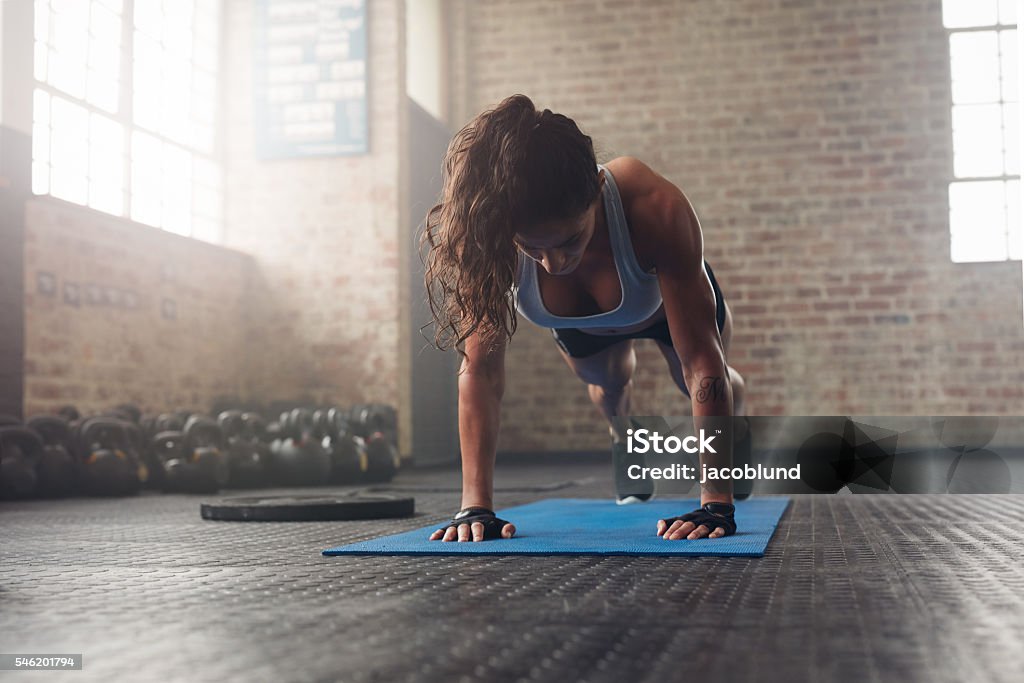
(481, 385)
(474, 524)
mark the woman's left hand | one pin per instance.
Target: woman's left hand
(712, 520)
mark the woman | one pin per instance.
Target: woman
(602, 255)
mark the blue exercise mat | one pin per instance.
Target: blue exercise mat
(575, 526)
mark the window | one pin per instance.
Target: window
(125, 110)
(984, 198)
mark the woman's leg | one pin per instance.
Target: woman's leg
(609, 378)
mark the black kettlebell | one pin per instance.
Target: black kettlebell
(347, 451)
(382, 458)
(108, 472)
(21, 449)
(255, 430)
(253, 427)
(138, 449)
(367, 418)
(349, 461)
(108, 464)
(57, 469)
(247, 457)
(178, 473)
(205, 445)
(168, 449)
(334, 422)
(231, 424)
(298, 456)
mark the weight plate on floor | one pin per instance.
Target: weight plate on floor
(307, 508)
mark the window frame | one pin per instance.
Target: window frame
(997, 28)
(125, 117)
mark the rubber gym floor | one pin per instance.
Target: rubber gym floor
(852, 588)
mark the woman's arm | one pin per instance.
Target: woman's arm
(678, 255)
(690, 308)
(481, 386)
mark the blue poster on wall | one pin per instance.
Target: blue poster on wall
(310, 78)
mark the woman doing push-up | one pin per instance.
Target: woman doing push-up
(601, 255)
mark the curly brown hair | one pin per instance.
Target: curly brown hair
(510, 167)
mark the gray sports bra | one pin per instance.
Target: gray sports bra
(641, 296)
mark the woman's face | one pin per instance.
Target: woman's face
(559, 245)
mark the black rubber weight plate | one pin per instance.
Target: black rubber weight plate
(307, 508)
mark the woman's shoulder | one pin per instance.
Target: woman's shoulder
(644, 191)
(628, 165)
(633, 177)
(650, 201)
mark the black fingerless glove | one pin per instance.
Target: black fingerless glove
(492, 525)
(712, 515)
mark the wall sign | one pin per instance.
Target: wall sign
(310, 78)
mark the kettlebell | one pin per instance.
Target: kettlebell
(382, 458)
(20, 452)
(298, 456)
(108, 465)
(347, 451)
(171, 459)
(247, 457)
(57, 470)
(204, 447)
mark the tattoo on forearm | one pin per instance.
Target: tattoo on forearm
(711, 389)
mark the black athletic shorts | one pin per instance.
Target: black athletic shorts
(578, 344)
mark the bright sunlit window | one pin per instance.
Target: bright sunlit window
(125, 110)
(984, 198)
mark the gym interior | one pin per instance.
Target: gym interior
(211, 215)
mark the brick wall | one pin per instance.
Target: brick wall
(304, 302)
(813, 137)
(328, 235)
(118, 312)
